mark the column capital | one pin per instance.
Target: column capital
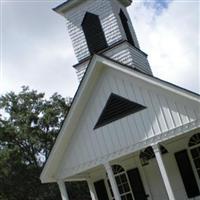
(156, 148)
(107, 165)
(60, 182)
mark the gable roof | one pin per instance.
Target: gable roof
(95, 67)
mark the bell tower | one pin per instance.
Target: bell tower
(102, 27)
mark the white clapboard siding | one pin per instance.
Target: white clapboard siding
(107, 15)
(125, 54)
(165, 111)
(108, 12)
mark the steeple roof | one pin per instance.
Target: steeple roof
(71, 3)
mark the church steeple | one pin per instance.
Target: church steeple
(102, 27)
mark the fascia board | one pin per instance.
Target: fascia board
(69, 124)
(64, 7)
(152, 80)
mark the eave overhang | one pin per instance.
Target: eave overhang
(69, 4)
(94, 70)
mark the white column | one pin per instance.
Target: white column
(112, 181)
(163, 172)
(63, 190)
(92, 190)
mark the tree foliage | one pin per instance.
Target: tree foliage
(29, 125)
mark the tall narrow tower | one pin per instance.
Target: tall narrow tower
(102, 27)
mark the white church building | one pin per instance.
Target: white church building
(130, 135)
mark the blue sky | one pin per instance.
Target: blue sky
(37, 51)
(158, 5)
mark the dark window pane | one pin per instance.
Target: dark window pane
(199, 173)
(118, 180)
(126, 187)
(129, 197)
(197, 163)
(123, 197)
(123, 178)
(121, 191)
(194, 153)
(194, 140)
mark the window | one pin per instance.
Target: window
(94, 34)
(122, 183)
(125, 25)
(194, 145)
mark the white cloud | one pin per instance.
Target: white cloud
(37, 50)
(170, 40)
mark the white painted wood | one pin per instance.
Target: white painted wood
(63, 190)
(163, 172)
(160, 116)
(79, 147)
(112, 181)
(150, 173)
(108, 12)
(92, 190)
(125, 54)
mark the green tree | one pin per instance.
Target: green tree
(29, 125)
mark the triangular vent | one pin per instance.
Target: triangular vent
(116, 108)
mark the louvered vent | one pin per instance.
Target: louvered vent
(125, 25)
(116, 108)
(94, 34)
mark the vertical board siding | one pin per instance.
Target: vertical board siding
(191, 114)
(114, 137)
(158, 111)
(164, 111)
(175, 115)
(151, 114)
(182, 112)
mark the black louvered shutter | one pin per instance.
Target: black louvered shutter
(137, 185)
(94, 34)
(101, 190)
(187, 174)
(125, 25)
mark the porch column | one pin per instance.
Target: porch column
(92, 190)
(163, 172)
(112, 180)
(63, 190)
